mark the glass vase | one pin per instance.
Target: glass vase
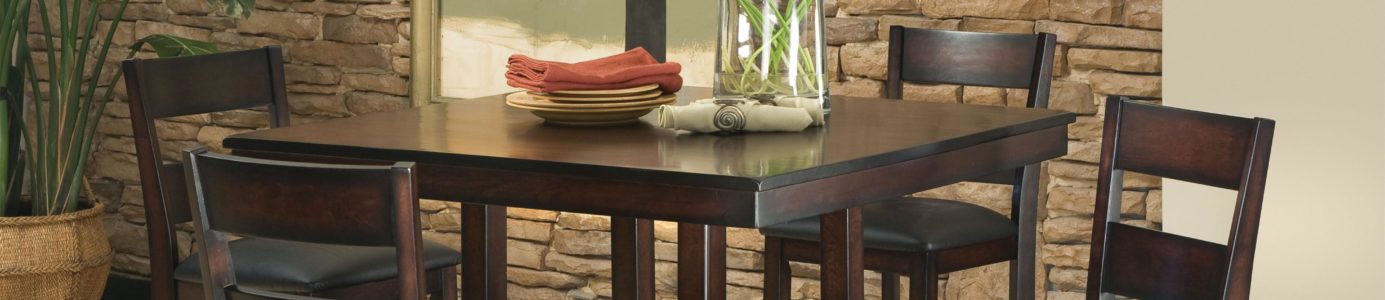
(769, 50)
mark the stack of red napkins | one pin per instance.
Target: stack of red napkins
(626, 70)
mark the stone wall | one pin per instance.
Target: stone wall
(351, 57)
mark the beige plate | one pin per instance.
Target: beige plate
(527, 99)
(588, 117)
(583, 110)
(619, 92)
(591, 120)
(597, 98)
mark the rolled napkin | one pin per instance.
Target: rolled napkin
(813, 105)
(707, 116)
(629, 69)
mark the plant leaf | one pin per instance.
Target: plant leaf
(172, 46)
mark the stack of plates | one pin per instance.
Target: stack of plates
(592, 107)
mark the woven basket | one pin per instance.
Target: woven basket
(63, 256)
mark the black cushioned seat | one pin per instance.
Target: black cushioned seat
(913, 224)
(297, 267)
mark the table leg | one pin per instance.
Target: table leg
(483, 252)
(701, 261)
(843, 254)
(778, 277)
(632, 258)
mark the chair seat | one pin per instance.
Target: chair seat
(297, 267)
(913, 224)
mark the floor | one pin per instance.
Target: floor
(122, 288)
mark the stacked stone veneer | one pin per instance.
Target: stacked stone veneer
(351, 57)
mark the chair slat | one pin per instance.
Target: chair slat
(331, 204)
(199, 84)
(1148, 264)
(1187, 145)
(968, 58)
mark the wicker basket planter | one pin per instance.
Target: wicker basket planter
(62, 256)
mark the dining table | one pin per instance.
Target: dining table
(489, 156)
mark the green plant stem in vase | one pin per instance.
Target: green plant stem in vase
(769, 49)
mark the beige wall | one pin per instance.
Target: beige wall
(1318, 68)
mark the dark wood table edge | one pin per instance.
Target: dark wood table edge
(842, 249)
(625, 198)
(249, 141)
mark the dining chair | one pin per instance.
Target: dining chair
(169, 87)
(925, 237)
(349, 205)
(1198, 147)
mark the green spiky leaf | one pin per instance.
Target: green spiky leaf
(172, 46)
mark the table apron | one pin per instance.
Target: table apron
(548, 191)
(876, 184)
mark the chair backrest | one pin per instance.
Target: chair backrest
(1004, 60)
(307, 202)
(1198, 147)
(981, 59)
(168, 87)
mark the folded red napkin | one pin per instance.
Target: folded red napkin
(630, 69)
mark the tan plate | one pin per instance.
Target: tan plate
(591, 120)
(582, 110)
(588, 117)
(527, 99)
(597, 98)
(616, 92)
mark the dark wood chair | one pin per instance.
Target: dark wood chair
(927, 237)
(353, 205)
(161, 88)
(1204, 148)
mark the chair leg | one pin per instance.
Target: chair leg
(777, 276)
(889, 286)
(432, 284)
(187, 291)
(449, 283)
(923, 278)
(1015, 280)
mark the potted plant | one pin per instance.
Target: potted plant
(57, 248)
(44, 255)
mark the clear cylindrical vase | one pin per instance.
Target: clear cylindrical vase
(771, 50)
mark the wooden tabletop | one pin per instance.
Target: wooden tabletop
(482, 151)
(861, 133)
